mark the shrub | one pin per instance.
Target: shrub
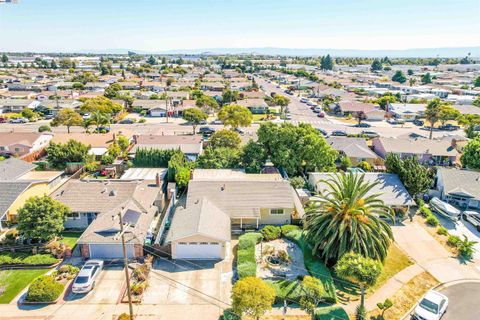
(466, 248)
(358, 267)
(288, 228)
(247, 269)
(270, 233)
(453, 240)
(142, 120)
(44, 289)
(365, 166)
(432, 220)
(249, 240)
(229, 315)
(442, 231)
(297, 182)
(27, 259)
(124, 316)
(44, 128)
(420, 202)
(246, 261)
(425, 212)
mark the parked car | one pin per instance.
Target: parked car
(321, 114)
(370, 134)
(432, 306)
(303, 100)
(3, 120)
(239, 131)
(18, 120)
(127, 121)
(418, 122)
(288, 116)
(449, 127)
(206, 130)
(473, 217)
(102, 130)
(49, 117)
(217, 121)
(395, 121)
(85, 280)
(86, 116)
(323, 132)
(362, 125)
(317, 109)
(339, 133)
(310, 103)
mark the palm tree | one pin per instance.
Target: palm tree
(98, 119)
(346, 218)
(432, 113)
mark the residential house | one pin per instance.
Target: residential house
(23, 143)
(155, 108)
(369, 111)
(356, 149)
(191, 146)
(407, 111)
(256, 106)
(98, 143)
(252, 95)
(17, 105)
(95, 206)
(234, 202)
(459, 187)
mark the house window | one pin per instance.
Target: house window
(73, 216)
(204, 243)
(276, 211)
(214, 243)
(182, 243)
(192, 243)
(17, 149)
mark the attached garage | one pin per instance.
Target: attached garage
(110, 251)
(199, 250)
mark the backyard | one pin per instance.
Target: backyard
(12, 282)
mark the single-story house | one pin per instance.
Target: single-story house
(370, 111)
(356, 149)
(94, 205)
(407, 111)
(235, 202)
(155, 108)
(440, 152)
(191, 146)
(459, 187)
(98, 143)
(23, 143)
(391, 189)
(256, 106)
(252, 95)
(17, 105)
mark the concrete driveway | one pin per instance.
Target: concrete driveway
(189, 282)
(108, 287)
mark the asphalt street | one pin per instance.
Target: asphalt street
(463, 301)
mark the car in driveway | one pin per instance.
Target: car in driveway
(362, 125)
(18, 120)
(418, 122)
(370, 134)
(432, 306)
(85, 280)
(206, 130)
(288, 116)
(127, 121)
(395, 121)
(303, 100)
(473, 217)
(339, 133)
(449, 127)
(323, 132)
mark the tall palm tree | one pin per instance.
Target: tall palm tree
(98, 119)
(432, 113)
(346, 218)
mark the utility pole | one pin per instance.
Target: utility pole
(125, 262)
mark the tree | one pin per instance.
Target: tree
(471, 154)
(346, 219)
(207, 103)
(354, 266)
(313, 291)
(326, 63)
(384, 306)
(4, 58)
(230, 96)
(376, 65)
(345, 163)
(399, 77)
(426, 78)
(466, 248)
(68, 118)
(253, 157)
(194, 116)
(281, 101)
(384, 100)
(219, 158)
(361, 312)
(432, 113)
(471, 123)
(59, 154)
(99, 119)
(28, 113)
(123, 142)
(101, 104)
(476, 102)
(297, 182)
(151, 60)
(41, 218)
(448, 113)
(476, 83)
(415, 177)
(235, 116)
(251, 296)
(112, 90)
(44, 128)
(410, 72)
(225, 139)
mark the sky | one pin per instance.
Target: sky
(74, 25)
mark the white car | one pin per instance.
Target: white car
(85, 280)
(432, 306)
(303, 100)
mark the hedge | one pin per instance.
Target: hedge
(314, 265)
(270, 233)
(44, 289)
(246, 261)
(27, 259)
(289, 227)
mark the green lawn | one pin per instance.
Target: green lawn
(328, 313)
(70, 238)
(15, 281)
(258, 117)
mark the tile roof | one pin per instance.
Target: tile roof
(12, 168)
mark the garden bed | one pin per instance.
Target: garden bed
(138, 282)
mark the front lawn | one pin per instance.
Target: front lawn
(328, 313)
(15, 281)
(70, 238)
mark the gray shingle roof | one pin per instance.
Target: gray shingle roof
(9, 192)
(352, 147)
(419, 146)
(391, 189)
(12, 168)
(460, 181)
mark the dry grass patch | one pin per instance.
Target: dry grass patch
(433, 232)
(407, 296)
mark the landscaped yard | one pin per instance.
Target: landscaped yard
(70, 238)
(15, 281)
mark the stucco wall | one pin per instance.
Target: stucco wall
(267, 218)
(35, 189)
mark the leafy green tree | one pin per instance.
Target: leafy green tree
(176, 168)
(476, 83)
(99, 119)
(346, 219)
(235, 116)
(297, 182)
(112, 90)
(312, 293)
(345, 163)
(281, 101)
(253, 157)
(230, 96)
(354, 266)
(399, 77)
(41, 218)
(384, 306)
(4, 58)
(219, 158)
(384, 100)
(415, 177)
(123, 142)
(252, 297)
(68, 118)
(297, 149)
(376, 65)
(466, 248)
(448, 113)
(410, 72)
(207, 104)
(470, 123)
(85, 77)
(28, 113)
(326, 63)
(78, 86)
(225, 139)
(471, 154)
(426, 78)
(151, 60)
(432, 113)
(59, 154)
(101, 104)
(182, 177)
(194, 116)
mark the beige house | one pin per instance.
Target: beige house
(232, 200)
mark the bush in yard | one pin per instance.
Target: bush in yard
(442, 231)
(425, 212)
(249, 240)
(247, 269)
(361, 313)
(453, 240)
(432, 220)
(365, 166)
(361, 269)
(270, 233)
(297, 182)
(287, 228)
(11, 258)
(246, 261)
(466, 248)
(44, 289)
(124, 316)
(252, 297)
(229, 315)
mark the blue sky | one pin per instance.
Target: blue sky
(69, 25)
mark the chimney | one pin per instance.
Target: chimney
(157, 180)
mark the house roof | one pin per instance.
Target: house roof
(390, 188)
(460, 182)
(352, 147)
(187, 144)
(24, 138)
(407, 108)
(13, 168)
(200, 218)
(418, 146)
(9, 192)
(252, 103)
(231, 174)
(354, 106)
(149, 104)
(94, 140)
(144, 173)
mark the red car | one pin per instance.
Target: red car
(3, 120)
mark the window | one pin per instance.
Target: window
(73, 216)
(204, 243)
(276, 211)
(182, 243)
(214, 243)
(192, 243)
(17, 149)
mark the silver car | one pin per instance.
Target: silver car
(85, 280)
(473, 217)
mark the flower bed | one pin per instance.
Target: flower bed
(138, 281)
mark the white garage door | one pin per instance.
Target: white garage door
(198, 250)
(109, 251)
